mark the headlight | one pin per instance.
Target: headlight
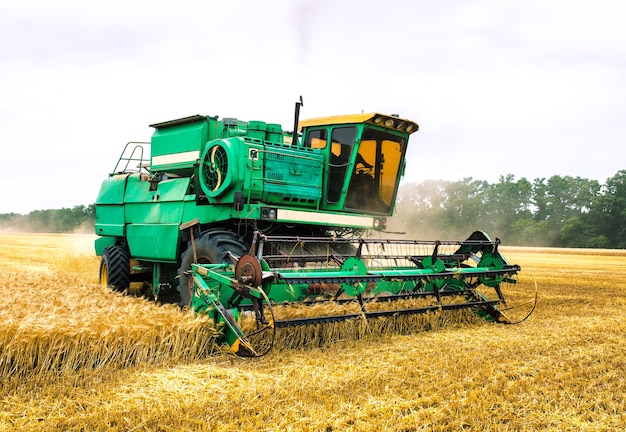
(269, 213)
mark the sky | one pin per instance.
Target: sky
(533, 88)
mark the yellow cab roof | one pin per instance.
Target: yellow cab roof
(384, 120)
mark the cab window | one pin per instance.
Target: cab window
(316, 138)
(342, 143)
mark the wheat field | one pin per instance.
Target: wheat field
(76, 356)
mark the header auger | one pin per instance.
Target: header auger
(264, 229)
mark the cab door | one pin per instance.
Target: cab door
(338, 143)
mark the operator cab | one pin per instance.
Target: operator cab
(364, 155)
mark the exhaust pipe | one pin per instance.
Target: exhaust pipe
(296, 120)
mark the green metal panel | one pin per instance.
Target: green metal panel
(162, 205)
(292, 177)
(153, 217)
(110, 208)
(172, 189)
(153, 242)
(253, 172)
(177, 147)
(110, 213)
(154, 213)
(274, 133)
(211, 213)
(112, 190)
(256, 129)
(102, 243)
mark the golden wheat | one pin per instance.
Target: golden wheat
(55, 318)
(564, 369)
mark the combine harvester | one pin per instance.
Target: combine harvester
(264, 229)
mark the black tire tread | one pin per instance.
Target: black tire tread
(211, 247)
(117, 260)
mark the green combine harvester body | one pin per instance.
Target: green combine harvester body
(238, 217)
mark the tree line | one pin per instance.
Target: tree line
(79, 218)
(558, 211)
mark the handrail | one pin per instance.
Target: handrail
(130, 155)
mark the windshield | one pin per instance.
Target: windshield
(377, 165)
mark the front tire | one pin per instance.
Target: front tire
(211, 248)
(115, 268)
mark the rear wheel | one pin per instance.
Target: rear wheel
(115, 268)
(211, 248)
